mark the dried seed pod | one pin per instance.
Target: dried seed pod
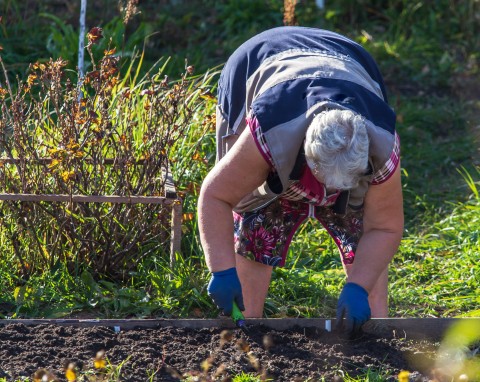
(268, 342)
(221, 370)
(243, 345)
(207, 364)
(174, 373)
(44, 375)
(253, 360)
(225, 337)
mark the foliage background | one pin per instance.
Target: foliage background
(428, 52)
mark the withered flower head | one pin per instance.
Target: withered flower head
(100, 360)
(71, 371)
(243, 345)
(95, 35)
(38, 66)
(109, 52)
(268, 342)
(164, 82)
(130, 10)
(31, 79)
(57, 64)
(44, 375)
(3, 93)
(226, 335)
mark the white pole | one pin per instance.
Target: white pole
(320, 3)
(81, 40)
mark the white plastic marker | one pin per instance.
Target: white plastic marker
(328, 325)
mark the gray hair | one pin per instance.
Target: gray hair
(336, 148)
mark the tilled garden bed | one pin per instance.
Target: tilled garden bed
(172, 353)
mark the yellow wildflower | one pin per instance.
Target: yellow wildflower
(403, 376)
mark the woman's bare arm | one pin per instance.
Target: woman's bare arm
(383, 228)
(238, 173)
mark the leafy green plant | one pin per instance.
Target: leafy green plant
(63, 40)
(471, 183)
(247, 377)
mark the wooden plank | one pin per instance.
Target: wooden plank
(414, 328)
(170, 190)
(88, 198)
(46, 161)
(418, 328)
(127, 324)
(175, 232)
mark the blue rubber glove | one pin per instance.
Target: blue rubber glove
(224, 288)
(353, 306)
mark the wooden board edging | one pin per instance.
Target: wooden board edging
(134, 199)
(416, 328)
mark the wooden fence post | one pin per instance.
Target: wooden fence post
(176, 231)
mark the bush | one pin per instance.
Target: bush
(104, 135)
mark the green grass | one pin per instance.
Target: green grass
(435, 273)
(246, 377)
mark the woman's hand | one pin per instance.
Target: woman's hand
(352, 309)
(224, 288)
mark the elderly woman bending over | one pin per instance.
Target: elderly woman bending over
(303, 130)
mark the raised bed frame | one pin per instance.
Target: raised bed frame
(413, 328)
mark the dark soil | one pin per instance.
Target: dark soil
(293, 355)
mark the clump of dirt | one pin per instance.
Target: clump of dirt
(170, 354)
